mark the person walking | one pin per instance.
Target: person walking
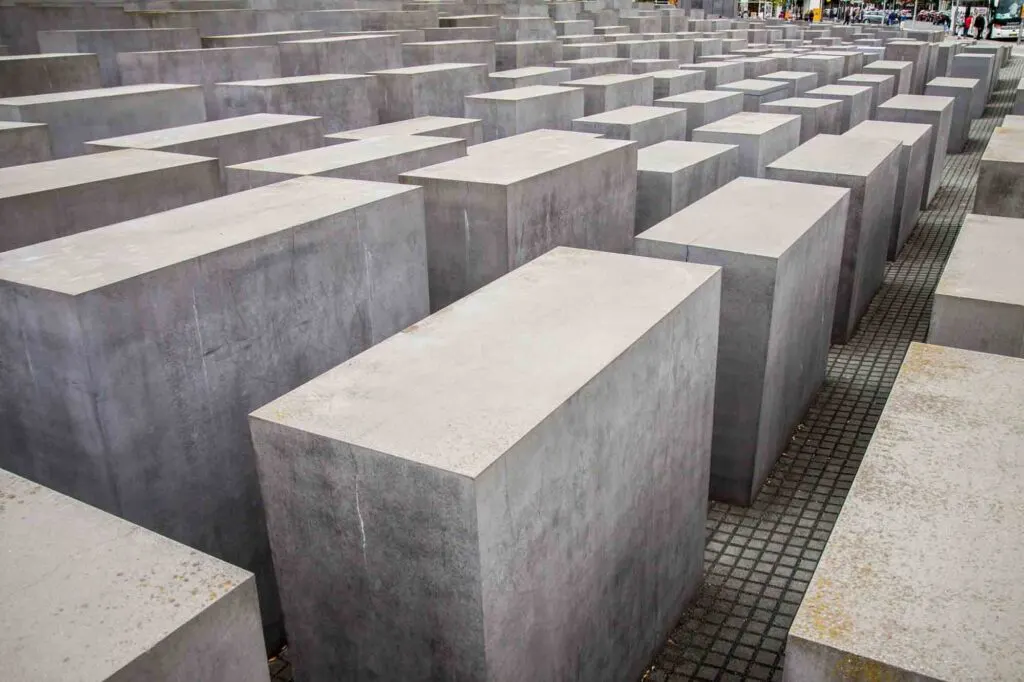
(967, 23)
(979, 27)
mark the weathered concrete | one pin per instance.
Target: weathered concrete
(76, 581)
(762, 138)
(853, 61)
(829, 68)
(676, 82)
(589, 50)
(856, 102)
(676, 48)
(107, 43)
(211, 309)
(1018, 101)
(523, 53)
(520, 110)
(982, 67)
(719, 73)
(870, 170)
(23, 143)
(672, 175)
(915, 52)
(881, 86)
(643, 125)
(704, 106)
(1001, 175)
(614, 91)
(934, 509)
(525, 28)
(706, 47)
(430, 90)
(530, 75)
(779, 245)
(597, 66)
(340, 54)
(509, 201)
(979, 301)
(74, 118)
(816, 115)
(258, 39)
(799, 81)
(754, 67)
(912, 174)
(52, 199)
(460, 33)
(425, 429)
(468, 129)
(963, 91)
(653, 65)
(376, 159)
(757, 91)
(342, 101)
(37, 74)
(902, 73)
(934, 111)
(449, 52)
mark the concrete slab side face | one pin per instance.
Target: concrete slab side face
(503, 587)
(22, 143)
(230, 318)
(77, 580)
(36, 74)
(917, 522)
(1000, 174)
(934, 111)
(779, 245)
(979, 301)
(435, 90)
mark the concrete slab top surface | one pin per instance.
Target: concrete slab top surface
(411, 126)
(593, 60)
(749, 123)
(526, 92)
(167, 137)
(804, 102)
(90, 260)
(82, 586)
(837, 155)
(869, 77)
(608, 79)
(207, 50)
(19, 125)
(452, 42)
(840, 90)
(950, 82)
(265, 34)
(299, 80)
(332, 40)
(755, 86)
(880, 64)
(673, 155)
(498, 361)
(749, 215)
(427, 68)
(823, 57)
(86, 169)
(336, 156)
(95, 93)
(918, 102)
(985, 262)
(527, 71)
(789, 74)
(700, 96)
(922, 570)
(905, 133)
(631, 114)
(520, 157)
(1006, 145)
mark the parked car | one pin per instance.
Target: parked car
(874, 17)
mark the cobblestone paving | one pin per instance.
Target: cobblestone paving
(759, 560)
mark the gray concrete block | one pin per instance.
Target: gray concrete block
(511, 500)
(779, 245)
(799, 81)
(449, 52)
(74, 118)
(870, 170)
(342, 101)
(404, 36)
(934, 111)
(910, 186)
(944, 53)
(328, 20)
(574, 27)
(902, 72)
(933, 509)
(637, 49)
(754, 67)
(106, 43)
(979, 301)
(469, 20)
(512, 200)
(853, 61)
(512, 29)
(468, 129)
(1001, 175)
(52, 199)
(596, 66)
(676, 82)
(762, 138)
(37, 74)
(982, 67)
(376, 159)
(523, 53)
(520, 110)
(260, 39)
(856, 102)
(460, 33)
(187, 320)
(589, 50)
(719, 73)
(643, 125)
(816, 115)
(757, 91)
(706, 47)
(430, 90)
(22, 143)
(530, 75)
(704, 106)
(77, 580)
(829, 68)
(913, 51)
(340, 54)
(1018, 101)
(614, 91)
(963, 91)
(882, 86)
(676, 48)
(653, 65)
(672, 175)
